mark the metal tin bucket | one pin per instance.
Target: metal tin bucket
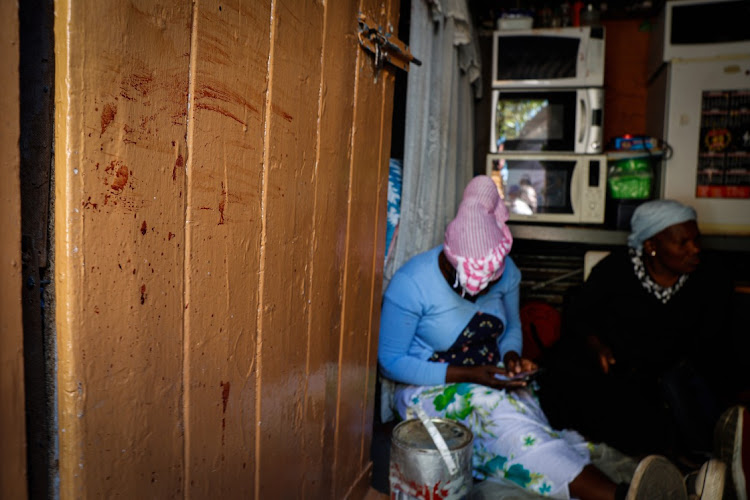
(419, 470)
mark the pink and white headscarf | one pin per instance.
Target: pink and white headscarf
(477, 240)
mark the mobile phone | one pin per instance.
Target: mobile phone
(521, 377)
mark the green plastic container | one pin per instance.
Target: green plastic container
(630, 178)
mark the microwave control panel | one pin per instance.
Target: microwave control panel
(594, 192)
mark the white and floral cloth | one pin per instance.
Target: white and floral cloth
(513, 440)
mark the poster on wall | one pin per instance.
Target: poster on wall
(724, 148)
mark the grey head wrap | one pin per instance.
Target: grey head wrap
(652, 217)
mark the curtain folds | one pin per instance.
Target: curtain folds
(439, 125)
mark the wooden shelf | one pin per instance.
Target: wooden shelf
(567, 234)
(634, 154)
(608, 237)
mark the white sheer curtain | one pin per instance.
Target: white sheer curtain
(439, 127)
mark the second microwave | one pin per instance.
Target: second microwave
(560, 120)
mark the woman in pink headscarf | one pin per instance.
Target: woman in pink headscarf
(450, 336)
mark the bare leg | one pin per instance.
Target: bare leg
(592, 484)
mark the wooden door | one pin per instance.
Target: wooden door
(221, 171)
(12, 424)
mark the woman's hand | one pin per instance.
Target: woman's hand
(515, 364)
(487, 375)
(603, 353)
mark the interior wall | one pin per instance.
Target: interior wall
(221, 173)
(626, 76)
(12, 424)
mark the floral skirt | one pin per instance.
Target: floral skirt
(513, 440)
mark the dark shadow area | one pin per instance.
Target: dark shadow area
(36, 75)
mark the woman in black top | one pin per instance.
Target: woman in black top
(646, 365)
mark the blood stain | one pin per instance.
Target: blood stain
(121, 178)
(222, 203)
(224, 399)
(179, 163)
(108, 114)
(224, 395)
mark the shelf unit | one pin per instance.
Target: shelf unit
(595, 236)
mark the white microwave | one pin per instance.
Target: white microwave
(547, 120)
(555, 188)
(700, 29)
(548, 57)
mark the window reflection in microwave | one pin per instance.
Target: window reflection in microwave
(529, 187)
(528, 124)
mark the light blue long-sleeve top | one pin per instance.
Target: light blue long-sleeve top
(422, 314)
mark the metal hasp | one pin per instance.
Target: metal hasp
(384, 46)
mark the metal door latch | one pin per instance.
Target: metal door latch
(384, 46)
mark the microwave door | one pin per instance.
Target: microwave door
(571, 57)
(534, 121)
(551, 188)
(535, 59)
(539, 188)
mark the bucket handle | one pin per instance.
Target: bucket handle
(437, 438)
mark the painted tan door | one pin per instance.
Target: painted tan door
(12, 424)
(221, 171)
